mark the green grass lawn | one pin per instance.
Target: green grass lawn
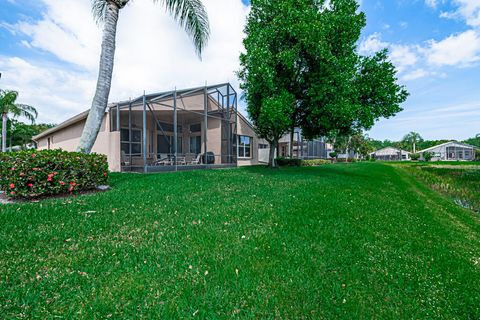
(352, 241)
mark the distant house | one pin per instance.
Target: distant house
(391, 154)
(450, 151)
(174, 130)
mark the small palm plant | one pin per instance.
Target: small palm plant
(190, 14)
(9, 106)
(413, 138)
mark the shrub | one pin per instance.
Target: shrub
(314, 162)
(34, 173)
(290, 162)
(333, 154)
(427, 156)
(415, 156)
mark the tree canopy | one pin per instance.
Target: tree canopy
(306, 50)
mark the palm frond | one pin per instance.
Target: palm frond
(8, 105)
(99, 9)
(27, 112)
(192, 16)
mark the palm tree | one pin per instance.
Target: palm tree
(8, 106)
(190, 14)
(413, 138)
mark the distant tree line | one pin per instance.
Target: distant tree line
(19, 134)
(406, 143)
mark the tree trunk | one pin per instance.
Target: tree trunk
(414, 148)
(4, 132)
(100, 101)
(271, 157)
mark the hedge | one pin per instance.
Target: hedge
(290, 162)
(294, 162)
(30, 174)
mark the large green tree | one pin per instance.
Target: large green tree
(190, 14)
(10, 107)
(308, 49)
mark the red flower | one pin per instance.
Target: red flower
(12, 186)
(12, 193)
(73, 183)
(13, 169)
(70, 189)
(62, 183)
(33, 155)
(21, 174)
(30, 185)
(49, 179)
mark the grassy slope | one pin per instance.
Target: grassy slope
(459, 182)
(345, 241)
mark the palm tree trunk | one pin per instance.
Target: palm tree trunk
(4, 132)
(100, 101)
(414, 149)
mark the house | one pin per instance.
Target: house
(391, 154)
(450, 151)
(303, 148)
(168, 131)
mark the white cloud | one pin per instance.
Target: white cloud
(57, 93)
(432, 3)
(461, 50)
(403, 56)
(153, 54)
(468, 10)
(372, 43)
(419, 61)
(415, 74)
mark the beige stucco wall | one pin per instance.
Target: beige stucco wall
(108, 143)
(68, 138)
(244, 129)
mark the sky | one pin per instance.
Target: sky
(49, 52)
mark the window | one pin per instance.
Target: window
(196, 127)
(165, 144)
(262, 146)
(244, 147)
(168, 127)
(195, 144)
(136, 142)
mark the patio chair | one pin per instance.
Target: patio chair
(197, 160)
(163, 161)
(125, 161)
(181, 161)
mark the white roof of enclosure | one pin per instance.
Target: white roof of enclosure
(388, 151)
(449, 144)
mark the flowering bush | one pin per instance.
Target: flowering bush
(35, 173)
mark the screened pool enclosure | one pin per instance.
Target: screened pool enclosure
(178, 130)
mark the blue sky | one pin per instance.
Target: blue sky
(49, 52)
